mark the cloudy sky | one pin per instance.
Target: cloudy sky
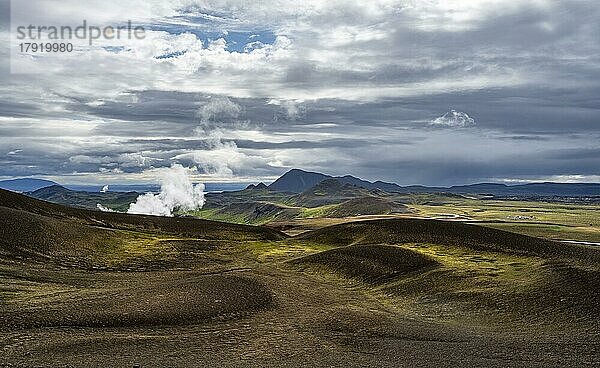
(410, 91)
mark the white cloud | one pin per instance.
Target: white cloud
(364, 38)
(293, 109)
(454, 119)
(384, 52)
(554, 179)
(222, 158)
(219, 108)
(123, 160)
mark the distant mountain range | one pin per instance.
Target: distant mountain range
(25, 185)
(297, 181)
(30, 185)
(301, 194)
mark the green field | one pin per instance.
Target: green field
(331, 202)
(315, 208)
(548, 220)
(579, 222)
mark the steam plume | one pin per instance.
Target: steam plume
(104, 209)
(177, 192)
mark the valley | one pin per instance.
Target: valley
(334, 201)
(93, 288)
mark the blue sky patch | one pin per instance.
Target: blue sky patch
(171, 55)
(236, 40)
(114, 49)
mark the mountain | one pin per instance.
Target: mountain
(298, 181)
(57, 194)
(335, 187)
(259, 186)
(25, 185)
(330, 191)
(380, 185)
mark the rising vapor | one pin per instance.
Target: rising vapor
(177, 192)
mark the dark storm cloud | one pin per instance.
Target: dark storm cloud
(18, 109)
(175, 107)
(147, 106)
(328, 143)
(524, 138)
(451, 172)
(514, 110)
(207, 144)
(592, 155)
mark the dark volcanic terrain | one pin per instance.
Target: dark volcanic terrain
(86, 288)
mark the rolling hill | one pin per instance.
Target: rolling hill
(116, 201)
(328, 198)
(374, 264)
(52, 232)
(446, 233)
(366, 206)
(329, 191)
(255, 213)
(171, 289)
(484, 273)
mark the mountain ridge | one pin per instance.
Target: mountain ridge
(60, 195)
(298, 181)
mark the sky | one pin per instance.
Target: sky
(413, 92)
